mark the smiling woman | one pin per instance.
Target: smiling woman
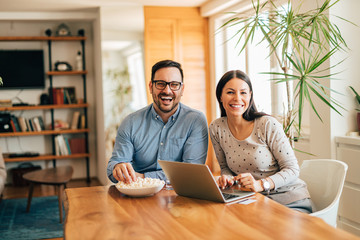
(251, 147)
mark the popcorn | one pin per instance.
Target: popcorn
(141, 183)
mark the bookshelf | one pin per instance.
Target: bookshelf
(52, 75)
(46, 157)
(45, 132)
(43, 107)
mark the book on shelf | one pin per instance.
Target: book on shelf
(57, 146)
(63, 95)
(70, 95)
(67, 145)
(12, 124)
(77, 145)
(75, 120)
(61, 146)
(5, 103)
(28, 125)
(31, 125)
(57, 95)
(15, 124)
(41, 122)
(67, 99)
(36, 124)
(81, 124)
(22, 123)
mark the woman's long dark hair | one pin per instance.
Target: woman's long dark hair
(251, 113)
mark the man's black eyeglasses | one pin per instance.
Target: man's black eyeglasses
(161, 85)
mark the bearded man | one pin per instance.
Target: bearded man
(164, 130)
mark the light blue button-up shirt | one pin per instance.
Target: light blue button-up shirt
(143, 138)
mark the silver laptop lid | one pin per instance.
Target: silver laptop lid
(194, 180)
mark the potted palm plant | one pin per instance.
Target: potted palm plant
(1, 82)
(357, 97)
(301, 43)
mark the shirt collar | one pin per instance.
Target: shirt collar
(172, 118)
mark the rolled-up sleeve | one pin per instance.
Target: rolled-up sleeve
(123, 148)
(196, 145)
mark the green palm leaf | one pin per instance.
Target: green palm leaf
(302, 42)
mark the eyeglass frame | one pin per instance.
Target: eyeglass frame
(167, 83)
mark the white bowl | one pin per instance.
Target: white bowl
(140, 192)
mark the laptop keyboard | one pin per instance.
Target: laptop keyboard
(228, 196)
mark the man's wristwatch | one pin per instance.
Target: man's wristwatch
(266, 185)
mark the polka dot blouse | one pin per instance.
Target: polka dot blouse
(265, 153)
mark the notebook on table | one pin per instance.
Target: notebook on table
(197, 181)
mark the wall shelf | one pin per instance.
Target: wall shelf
(46, 157)
(46, 132)
(53, 73)
(42, 38)
(44, 107)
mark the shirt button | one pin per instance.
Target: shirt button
(164, 126)
(161, 143)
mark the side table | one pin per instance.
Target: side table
(58, 177)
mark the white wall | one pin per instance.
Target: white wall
(351, 70)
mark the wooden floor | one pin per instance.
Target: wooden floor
(45, 190)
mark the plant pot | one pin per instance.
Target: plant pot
(358, 120)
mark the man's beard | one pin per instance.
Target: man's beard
(157, 101)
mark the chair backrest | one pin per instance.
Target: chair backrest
(325, 181)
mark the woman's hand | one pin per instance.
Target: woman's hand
(225, 181)
(247, 182)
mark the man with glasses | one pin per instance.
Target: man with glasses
(164, 130)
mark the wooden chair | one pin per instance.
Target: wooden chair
(58, 177)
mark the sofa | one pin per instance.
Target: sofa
(2, 174)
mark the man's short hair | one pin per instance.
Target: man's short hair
(165, 64)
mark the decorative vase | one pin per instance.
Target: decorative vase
(358, 120)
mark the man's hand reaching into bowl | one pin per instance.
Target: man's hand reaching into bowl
(124, 172)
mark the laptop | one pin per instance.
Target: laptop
(196, 181)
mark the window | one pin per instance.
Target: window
(137, 79)
(254, 60)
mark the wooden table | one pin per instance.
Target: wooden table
(58, 177)
(104, 213)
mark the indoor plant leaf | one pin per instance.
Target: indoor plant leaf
(356, 94)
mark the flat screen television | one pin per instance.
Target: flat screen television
(22, 69)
